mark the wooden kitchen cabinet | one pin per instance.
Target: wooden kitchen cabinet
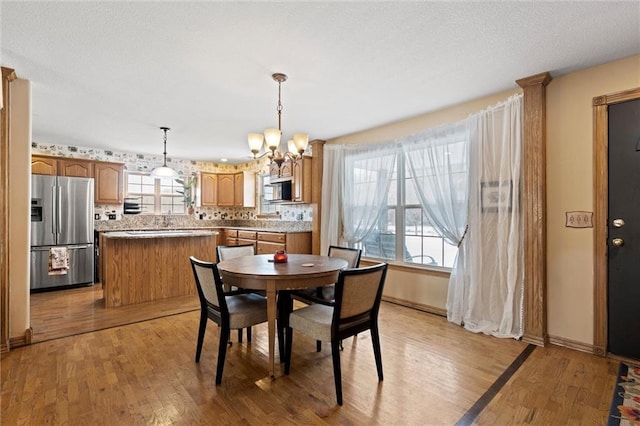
(208, 189)
(76, 168)
(44, 165)
(246, 237)
(286, 169)
(61, 166)
(108, 183)
(267, 242)
(226, 190)
(245, 189)
(231, 237)
(108, 177)
(271, 242)
(301, 181)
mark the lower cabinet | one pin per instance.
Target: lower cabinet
(270, 242)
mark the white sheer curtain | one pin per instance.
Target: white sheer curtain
(366, 179)
(488, 297)
(439, 167)
(486, 285)
(332, 177)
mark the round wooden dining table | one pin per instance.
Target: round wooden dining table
(260, 272)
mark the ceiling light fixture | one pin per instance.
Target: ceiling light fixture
(164, 171)
(271, 137)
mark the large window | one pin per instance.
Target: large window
(156, 196)
(417, 242)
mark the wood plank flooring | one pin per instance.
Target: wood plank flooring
(144, 373)
(68, 312)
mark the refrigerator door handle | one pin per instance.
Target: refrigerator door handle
(75, 247)
(59, 215)
(53, 209)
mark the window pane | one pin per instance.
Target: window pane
(423, 243)
(381, 243)
(148, 180)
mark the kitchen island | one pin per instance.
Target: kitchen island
(143, 266)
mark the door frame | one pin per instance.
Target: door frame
(601, 200)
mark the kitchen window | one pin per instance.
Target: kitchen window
(156, 195)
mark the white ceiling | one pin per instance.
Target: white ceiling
(109, 74)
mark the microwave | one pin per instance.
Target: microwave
(280, 191)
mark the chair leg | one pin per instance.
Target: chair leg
(318, 345)
(222, 352)
(249, 334)
(201, 330)
(285, 306)
(288, 345)
(337, 373)
(375, 339)
(239, 335)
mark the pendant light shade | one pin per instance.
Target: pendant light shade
(164, 171)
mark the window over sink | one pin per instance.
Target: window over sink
(156, 195)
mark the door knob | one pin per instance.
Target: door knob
(617, 242)
(618, 223)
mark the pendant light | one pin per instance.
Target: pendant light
(164, 171)
(271, 137)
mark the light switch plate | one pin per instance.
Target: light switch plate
(579, 219)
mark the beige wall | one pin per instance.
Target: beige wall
(570, 181)
(19, 202)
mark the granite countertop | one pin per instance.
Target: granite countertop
(159, 233)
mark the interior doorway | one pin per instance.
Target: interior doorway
(617, 231)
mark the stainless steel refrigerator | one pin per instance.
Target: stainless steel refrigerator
(62, 226)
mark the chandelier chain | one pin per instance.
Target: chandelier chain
(279, 107)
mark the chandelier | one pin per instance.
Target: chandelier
(271, 138)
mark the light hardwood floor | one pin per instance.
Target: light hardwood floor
(144, 373)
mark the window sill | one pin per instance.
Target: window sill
(410, 267)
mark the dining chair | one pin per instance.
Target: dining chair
(357, 302)
(230, 310)
(325, 294)
(230, 252)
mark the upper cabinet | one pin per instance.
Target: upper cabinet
(108, 177)
(301, 180)
(208, 189)
(44, 166)
(109, 183)
(298, 173)
(226, 190)
(75, 168)
(245, 189)
(61, 166)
